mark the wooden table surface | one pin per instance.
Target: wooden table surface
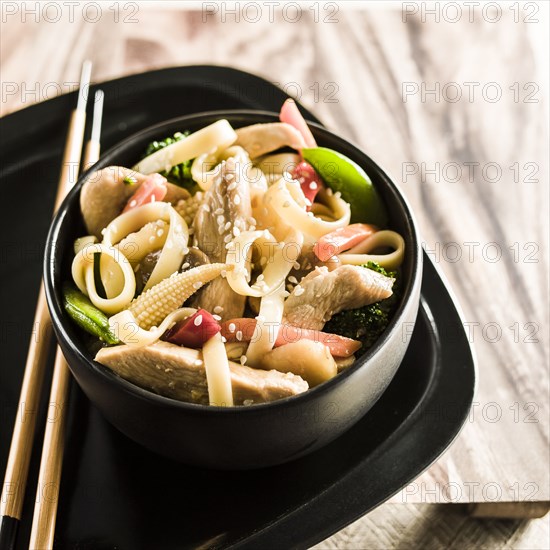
(455, 110)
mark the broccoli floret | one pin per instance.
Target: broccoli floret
(180, 174)
(368, 322)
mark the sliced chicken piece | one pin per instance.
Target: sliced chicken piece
(260, 139)
(323, 293)
(104, 195)
(224, 214)
(178, 372)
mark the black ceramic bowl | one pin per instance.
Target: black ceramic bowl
(242, 437)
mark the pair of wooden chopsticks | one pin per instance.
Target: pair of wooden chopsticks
(13, 493)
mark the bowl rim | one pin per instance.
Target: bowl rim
(59, 318)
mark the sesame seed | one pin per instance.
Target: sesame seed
(218, 211)
(260, 278)
(239, 335)
(220, 219)
(232, 186)
(223, 273)
(298, 291)
(296, 265)
(185, 265)
(206, 207)
(224, 339)
(133, 203)
(232, 327)
(337, 194)
(185, 251)
(252, 228)
(313, 185)
(198, 362)
(217, 317)
(152, 239)
(293, 279)
(237, 200)
(243, 361)
(227, 226)
(329, 192)
(218, 309)
(227, 238)
(229, 177)
(198, 320)
(236, 231)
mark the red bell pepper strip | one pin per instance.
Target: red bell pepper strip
(291, 115)
(242, 330)
(152, 189)
(194, 331)
(310, 181)
(342, 239)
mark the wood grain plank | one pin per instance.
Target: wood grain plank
(352, 74)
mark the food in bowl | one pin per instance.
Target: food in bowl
(234, 267)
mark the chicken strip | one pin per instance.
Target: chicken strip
(104, 195)
(224, 214)
(323, 293)
(178, 372)
(260, 139)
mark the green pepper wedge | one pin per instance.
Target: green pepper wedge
(86, 315)
(342, 174)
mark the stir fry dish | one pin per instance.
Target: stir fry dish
(233, 267)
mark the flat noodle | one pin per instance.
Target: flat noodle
(359, 255)
(287, 199)
(268, 324)
(218, 375)
(216, 136)
(125, 327)
(152, 236)
(175, 243)
(83, 275)
(276, 165)
(278, 261)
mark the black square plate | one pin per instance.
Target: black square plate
(114, 493)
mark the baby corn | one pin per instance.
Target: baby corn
(187, 208)
(155, 304)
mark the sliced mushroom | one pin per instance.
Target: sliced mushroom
(308, 359)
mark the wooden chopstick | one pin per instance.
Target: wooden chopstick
(49, 478)
(15, 480)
